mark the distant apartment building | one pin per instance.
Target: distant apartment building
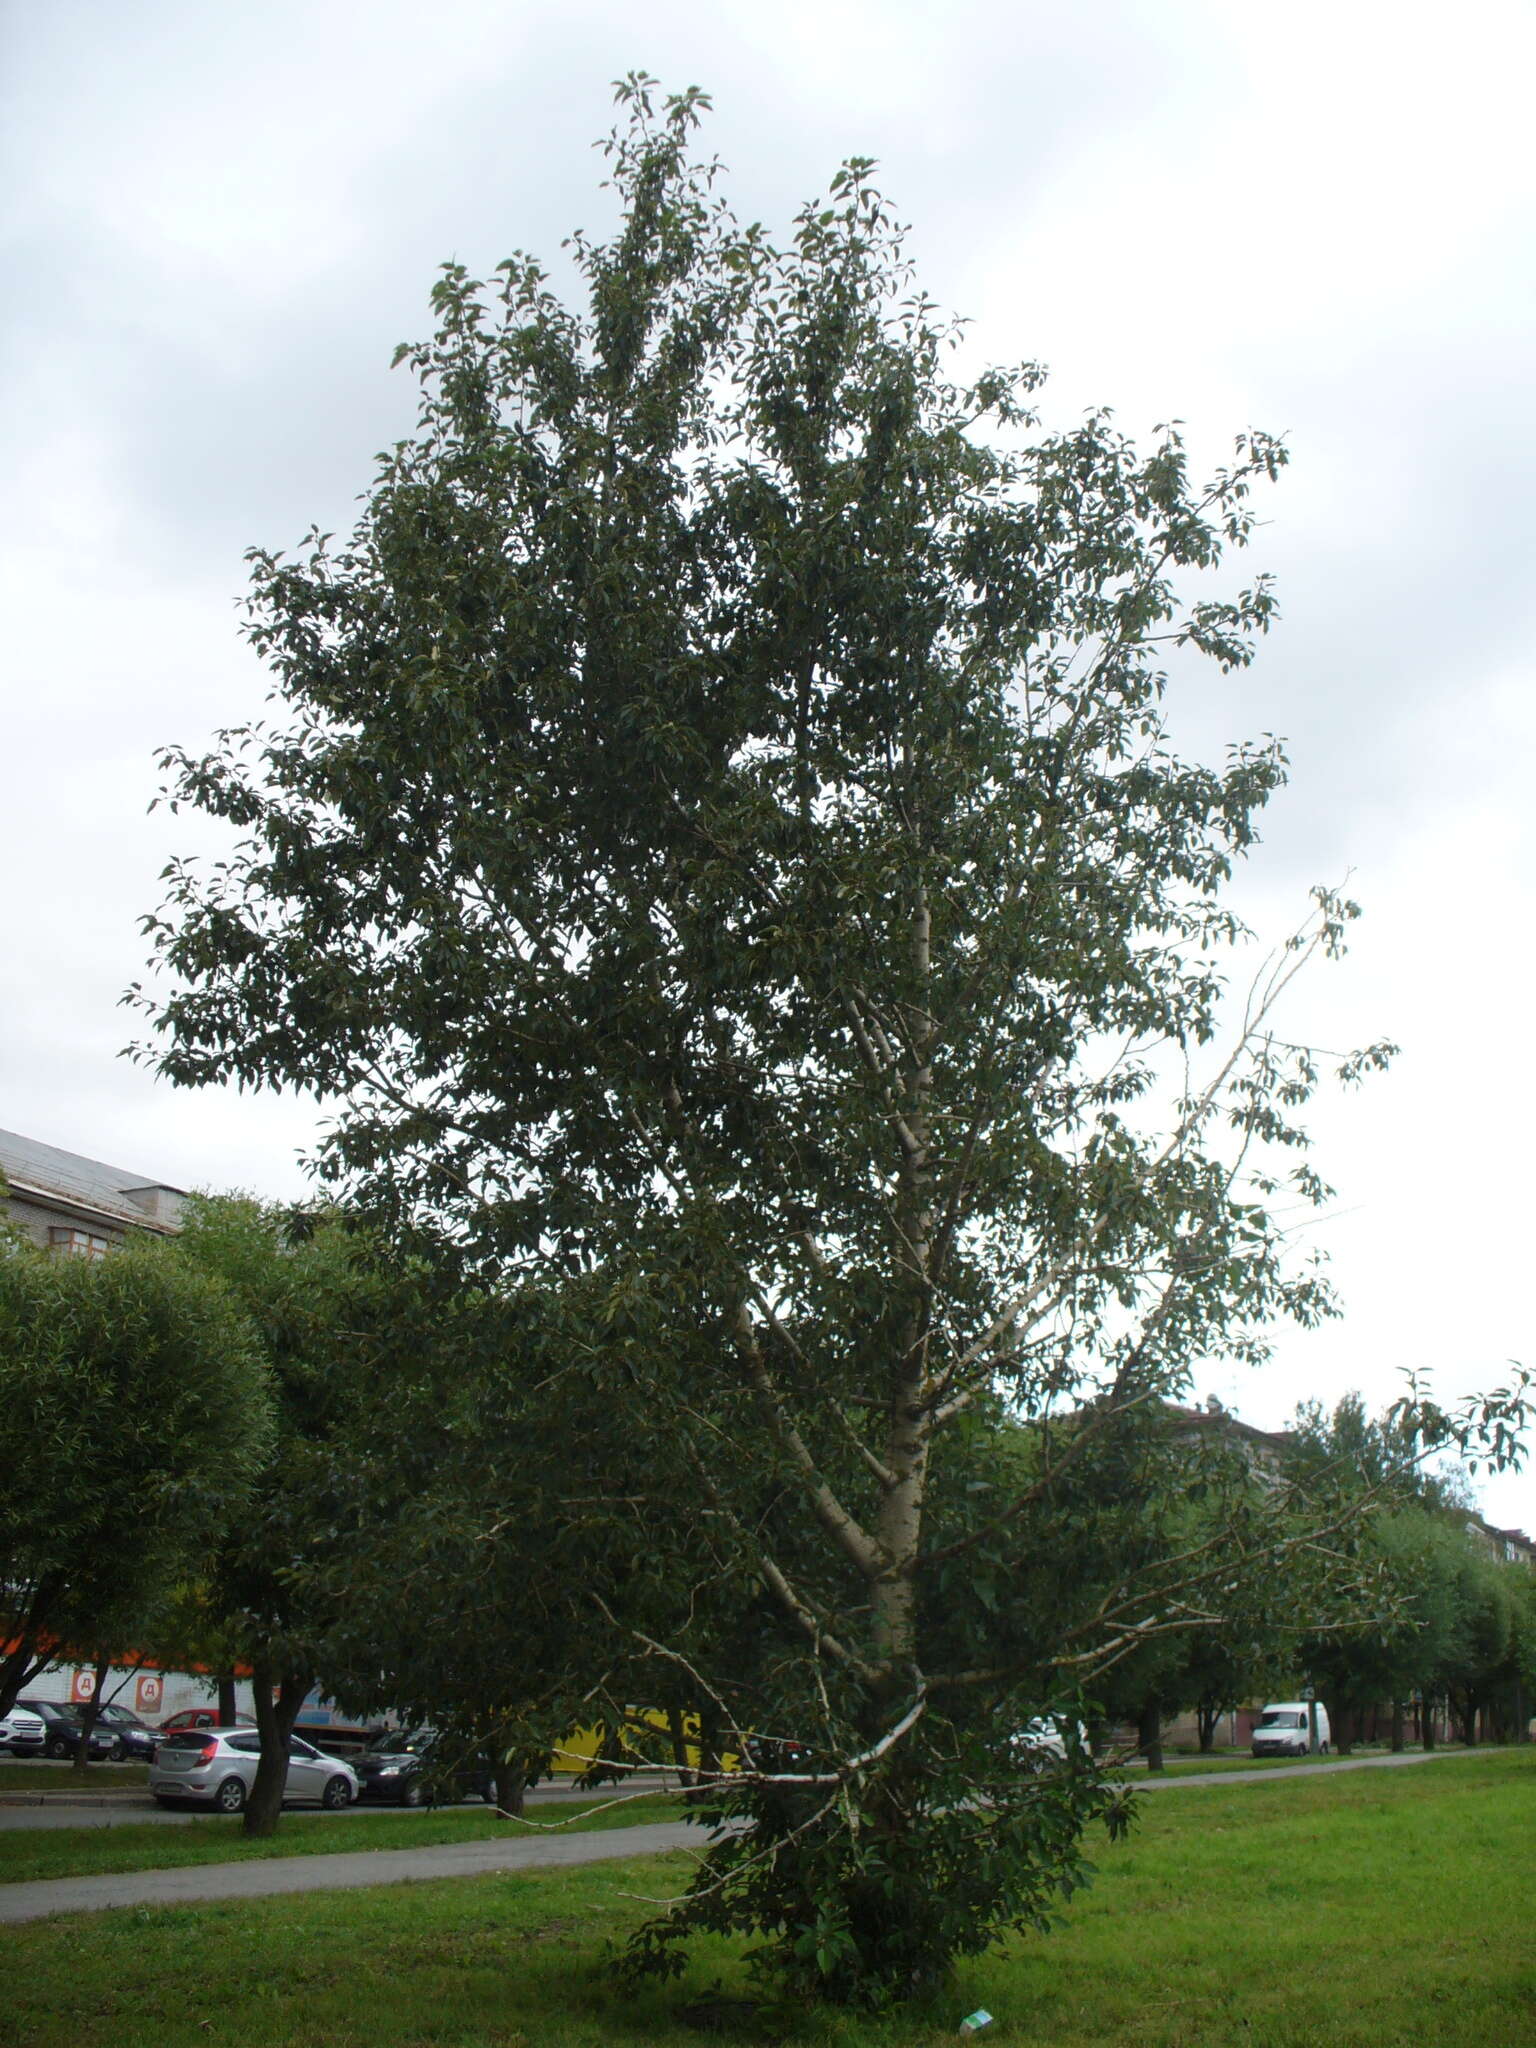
(81, 1206)
(1504, 1546)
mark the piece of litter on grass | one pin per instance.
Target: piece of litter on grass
(975, 2021)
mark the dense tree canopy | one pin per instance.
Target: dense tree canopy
(315, 1298)
(134, 1413)
(718, 840)
(490, 1493)
(1439, 1625)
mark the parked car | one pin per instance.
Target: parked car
(201, 1717)
(777, 1753)
(131, 1737)
(23, 1733)
(1285, 1729)
(418, 1767)
(217, 1767)
(1043, 1743)
(337, 1738)
(61, 1728)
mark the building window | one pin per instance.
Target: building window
(78, 1244)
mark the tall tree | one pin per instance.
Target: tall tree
(134, 1414)
(725, 840)
(311, 1290)
(480, 1505)
(1484, 1650)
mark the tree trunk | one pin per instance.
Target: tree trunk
(89, 1717)
(1149, 1734)
(274, 1723)
(510, 1782)
(679, 1735)
(1206, 1719)
(21, 1629)
(709, 1755)
(1397, 1727)
(227, 1709)
(1347, 1730)
(17, 1671)
(1427, 1722)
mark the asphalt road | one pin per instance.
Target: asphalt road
(22, 1811)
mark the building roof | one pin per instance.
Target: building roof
(1222, 1422)
(126, 1196)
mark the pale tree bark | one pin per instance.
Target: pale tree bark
(909, 1419)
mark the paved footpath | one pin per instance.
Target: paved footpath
(133, 1806)
(1319, 1770)
(263, 1878)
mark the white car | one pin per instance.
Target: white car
(1043, 1742)
(22, 1733)
(217, 1767)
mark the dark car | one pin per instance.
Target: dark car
(61, 1722)
(419, 1767)
(131, 1737)
(774, 1754)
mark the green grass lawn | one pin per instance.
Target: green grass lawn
(27, 1854)
(1375, 1909)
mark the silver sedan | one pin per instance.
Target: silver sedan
(217, 1767)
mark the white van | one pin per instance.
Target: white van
(1285, 1729)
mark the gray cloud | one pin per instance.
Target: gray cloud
(219, 223)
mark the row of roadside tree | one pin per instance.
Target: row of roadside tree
(285, 1443)
(1447, 1642)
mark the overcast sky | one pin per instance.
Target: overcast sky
(1311, 218)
